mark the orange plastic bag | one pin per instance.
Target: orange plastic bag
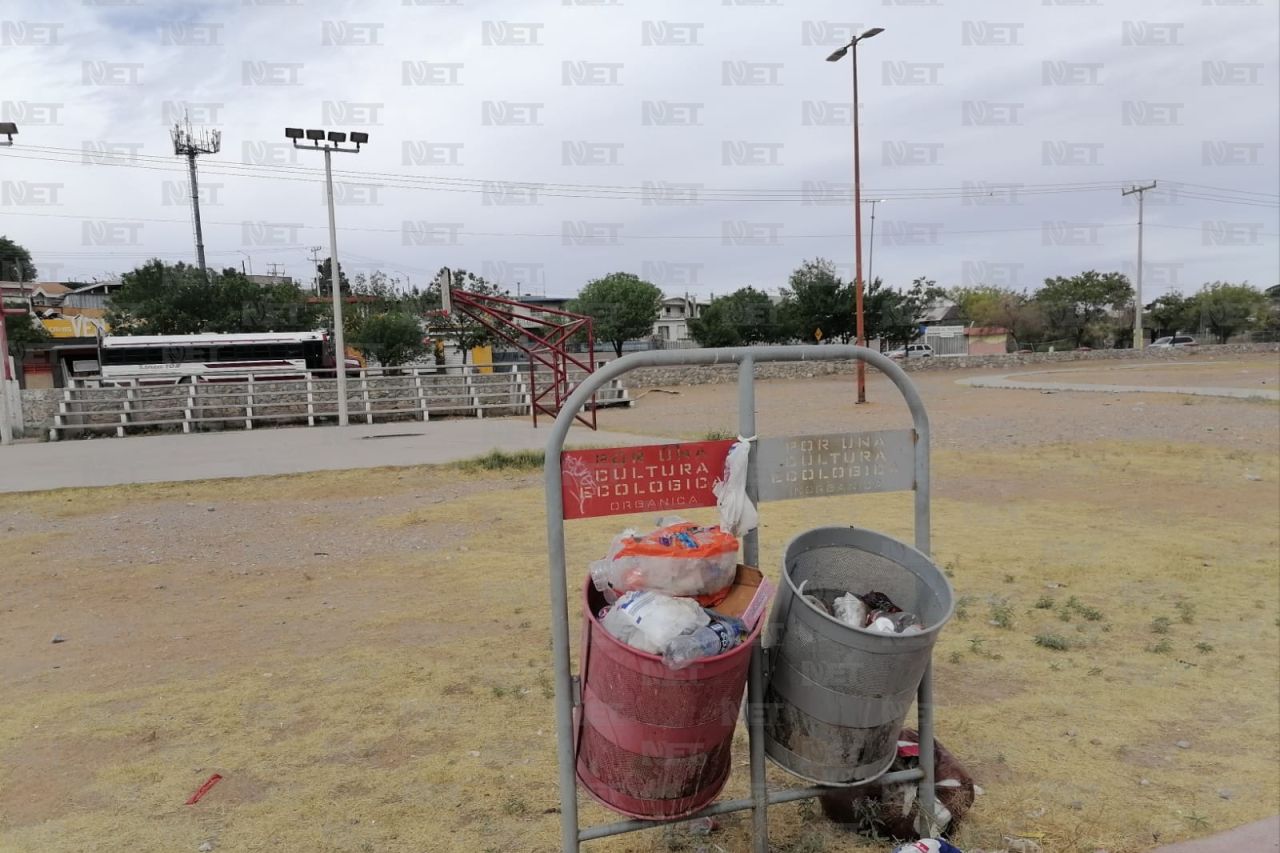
(681, 558)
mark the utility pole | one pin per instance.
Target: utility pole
(7, 129)
(190, 144)
(315, 266)
(871, 244)
(1137, 302)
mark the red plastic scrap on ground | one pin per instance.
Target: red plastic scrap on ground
(204, 789)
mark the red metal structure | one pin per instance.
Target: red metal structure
(544, 334)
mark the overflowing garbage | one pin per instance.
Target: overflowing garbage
(872, 611)
(670, 592)
(893, 809)
(678, 558)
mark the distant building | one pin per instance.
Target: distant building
(269, 280)
(674, 315)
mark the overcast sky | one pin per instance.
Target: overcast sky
(702, 145)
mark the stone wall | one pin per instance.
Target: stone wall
(38, 408)
(657, 377)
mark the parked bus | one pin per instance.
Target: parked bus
(209, 358)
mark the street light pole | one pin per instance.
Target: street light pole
(332, 141)
(1137, 297)
(852, 46)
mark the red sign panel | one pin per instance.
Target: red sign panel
(646, 478)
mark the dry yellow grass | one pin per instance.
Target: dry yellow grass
(425, 723)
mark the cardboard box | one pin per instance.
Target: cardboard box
(749, 597)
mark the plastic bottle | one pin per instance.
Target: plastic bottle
(722, 634)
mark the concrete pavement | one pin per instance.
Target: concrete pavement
(1260, 837)
(34, 466)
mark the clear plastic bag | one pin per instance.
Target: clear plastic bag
(677, 559)
(649, 621)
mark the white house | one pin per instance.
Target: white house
(674, 316)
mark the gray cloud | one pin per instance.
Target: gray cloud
(620, 113)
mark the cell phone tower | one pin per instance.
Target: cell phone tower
(191, 144)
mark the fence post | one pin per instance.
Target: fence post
(126, 411)
(422, 397)
(311, 401)
(364, 387)
(191, 404)
(248, 404)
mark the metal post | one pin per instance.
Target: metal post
(857, 228)
(755, 675)
(924, 714)
(335, 280)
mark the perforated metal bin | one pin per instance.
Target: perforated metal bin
(837, 696)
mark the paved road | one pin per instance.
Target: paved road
(1260, 837)
(1023, 381)
(34, 466)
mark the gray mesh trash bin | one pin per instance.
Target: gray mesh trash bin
(837, 695)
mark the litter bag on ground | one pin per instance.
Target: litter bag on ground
(679, 558)
(893, 810)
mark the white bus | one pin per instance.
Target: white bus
(161, 359)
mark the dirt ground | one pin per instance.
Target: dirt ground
(1259, 373)
(364, 656)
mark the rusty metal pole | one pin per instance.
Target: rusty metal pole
(857, 231)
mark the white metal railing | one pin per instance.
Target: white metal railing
(305, 397)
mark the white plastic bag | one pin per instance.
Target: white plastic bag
(737, 514)
(649, 620)
(851, 611)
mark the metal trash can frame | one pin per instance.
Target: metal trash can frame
(567, 688)
(837, 696)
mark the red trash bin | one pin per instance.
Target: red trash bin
(653, 742)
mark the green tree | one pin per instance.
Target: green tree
(322, 270)
(15, 262)
(164, 299)
(744, 317)
(1170, 314)
(22, 330)
(623, 307)
(988, 305)
(894, 316)
(1076, 308)
(465, 333)
(816, 299)
(392, 338)
(1226, 308)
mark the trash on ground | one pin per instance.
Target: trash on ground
(928, 845)
(893, 810)
(204, 789)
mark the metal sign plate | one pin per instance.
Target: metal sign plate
(808, 466)
(645, 478)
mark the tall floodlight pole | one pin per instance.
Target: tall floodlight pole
(871, 242)
(7, 129)
(1137, 300)
(857, 204)
(191, 144)
(329, 143)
